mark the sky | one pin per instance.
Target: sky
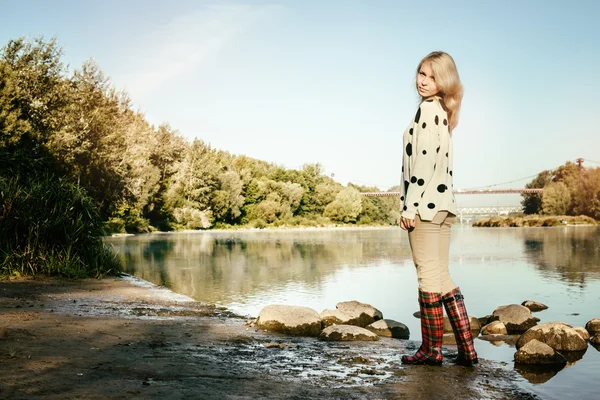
(332, 82)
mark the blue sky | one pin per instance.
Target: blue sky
(295, 82)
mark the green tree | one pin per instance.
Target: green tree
(346, 207)
(587, 195)
(532, 202)
(556, 199)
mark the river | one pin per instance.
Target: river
(247, 270)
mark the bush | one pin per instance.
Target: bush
(50, 227)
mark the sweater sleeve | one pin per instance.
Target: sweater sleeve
(426, 142)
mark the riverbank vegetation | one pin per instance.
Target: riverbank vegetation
(569, 190)
(73, 148)
(534, 220)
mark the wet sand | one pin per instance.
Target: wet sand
(126, 339)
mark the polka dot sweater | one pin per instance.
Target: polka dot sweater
(427, 164)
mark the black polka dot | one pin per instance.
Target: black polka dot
(424, 152)
(410, 131)
(422, 194)
(442, 188)
(446, 154)
(450, 173)
(403, 168)
(413, 179)
(416, 204)
(409, 149)
(424, 125)
(446, 169)
(429, 101)
(434, 165)
(437, 120)
(437, 150)
(405, 208)
(418, 116)
(405, 186)
(402, 198)
(445, 122)
(420, 182)
(431, 206)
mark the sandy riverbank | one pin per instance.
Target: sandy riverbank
(119, 339)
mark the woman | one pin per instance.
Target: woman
(429, 208)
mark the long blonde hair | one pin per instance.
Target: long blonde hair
(448, 83)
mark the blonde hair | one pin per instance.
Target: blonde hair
(448, 83)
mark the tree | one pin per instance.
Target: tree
(555, 199)
(346, 207)
(587, 195)
(532, 202)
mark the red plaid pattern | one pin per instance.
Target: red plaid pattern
(432, 330)
(459, 319)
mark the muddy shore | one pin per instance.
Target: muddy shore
(124, 339)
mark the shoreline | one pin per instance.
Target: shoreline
(121, 338)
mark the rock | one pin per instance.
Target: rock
(595, 340)
(558, 335)
(583, 333)
(347, 333)
(361, 314)
(335, 317)
(488, 319)
(449, 338)
(475, 325)
(534, 306)
(293, 320)
(593, 326)
(494, 328)
(536, 352)
(389, 328)
(515, 317)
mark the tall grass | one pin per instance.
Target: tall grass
(49, 226)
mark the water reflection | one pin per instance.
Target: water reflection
(570, 252)
(210, 266)
(537, 374)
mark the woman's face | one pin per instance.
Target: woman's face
(426, 85)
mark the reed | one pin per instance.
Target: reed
(49, 226)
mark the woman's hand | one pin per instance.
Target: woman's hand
(406, 223)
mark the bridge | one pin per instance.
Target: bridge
(461, 191)
(465, 212)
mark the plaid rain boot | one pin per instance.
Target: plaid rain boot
(432, 330)
(459, 319)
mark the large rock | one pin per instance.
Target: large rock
(595, 340)
(593, 326)
(335, 317)
(475, 325)
(293, 320)
(536, 352)
(494, 328)
(355, 313)
(585, 335)
(347, 333)
(534, 306)
(488, 319)
(389, 328)
(558, 335)
(515, 317)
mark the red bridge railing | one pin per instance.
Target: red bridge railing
(469, 191)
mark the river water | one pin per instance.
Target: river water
(247, 270)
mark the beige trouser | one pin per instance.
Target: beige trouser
(430, 245)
